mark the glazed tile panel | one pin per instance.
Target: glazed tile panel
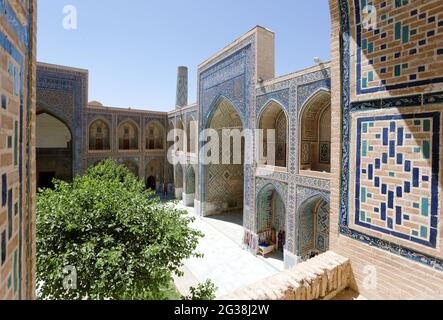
(397, 49)
(396, 176)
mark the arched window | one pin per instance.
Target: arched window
(128, 136)
(315, 133)
(154, 136)
(99, 138)
(274, 118)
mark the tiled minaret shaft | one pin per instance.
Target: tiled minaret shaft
(182, 87)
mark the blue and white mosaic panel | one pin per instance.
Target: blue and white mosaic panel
(397, 176)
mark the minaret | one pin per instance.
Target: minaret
(182, 87)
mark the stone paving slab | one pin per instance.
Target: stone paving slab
(228, 265)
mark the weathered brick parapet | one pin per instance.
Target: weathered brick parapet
(320, 278)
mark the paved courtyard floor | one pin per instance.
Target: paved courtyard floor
(225, 262)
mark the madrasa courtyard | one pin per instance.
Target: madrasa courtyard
(340, 196)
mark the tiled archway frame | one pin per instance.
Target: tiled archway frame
(279, 186)
(52, 87)
(231, 76)
(304, 194)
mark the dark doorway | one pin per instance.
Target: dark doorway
(99, 144)
(45, 180)
(54, 156)
(151, 183)
(126, 144)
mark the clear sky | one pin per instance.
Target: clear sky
(132, 48)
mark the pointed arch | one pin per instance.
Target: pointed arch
(54, 149)
(315, 132)
(99, 135)
(221, 99)
(153, 174)
(127, 135)
(273, 116)
(222, 185)
(313, 227)
(154, 135)
(271, 217)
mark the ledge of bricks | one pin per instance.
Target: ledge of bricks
(320, 278)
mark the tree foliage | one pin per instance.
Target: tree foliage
(204, 291)
(122, 241)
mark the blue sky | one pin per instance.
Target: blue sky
(132, 48)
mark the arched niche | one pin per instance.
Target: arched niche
(99, 136)
(54, 158)
(315, 134)
(128, 136)
(154, 133)
(273, 117)
(271, 218)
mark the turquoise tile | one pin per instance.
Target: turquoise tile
(397, 70)
(425, 207)
(424, 232)
(426, 149)
(426, 125)
(405, 37)
(363, 194)
(362, 216)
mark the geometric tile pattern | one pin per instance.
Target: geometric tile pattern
(301, 89)
(224, 181)
(324, 152)
(394, 36)
(396, 184)
(322, 227)
(15, 246)
(347, 58)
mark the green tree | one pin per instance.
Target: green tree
(122, 241)
(204, 291)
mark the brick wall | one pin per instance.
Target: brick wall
(320, 278)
